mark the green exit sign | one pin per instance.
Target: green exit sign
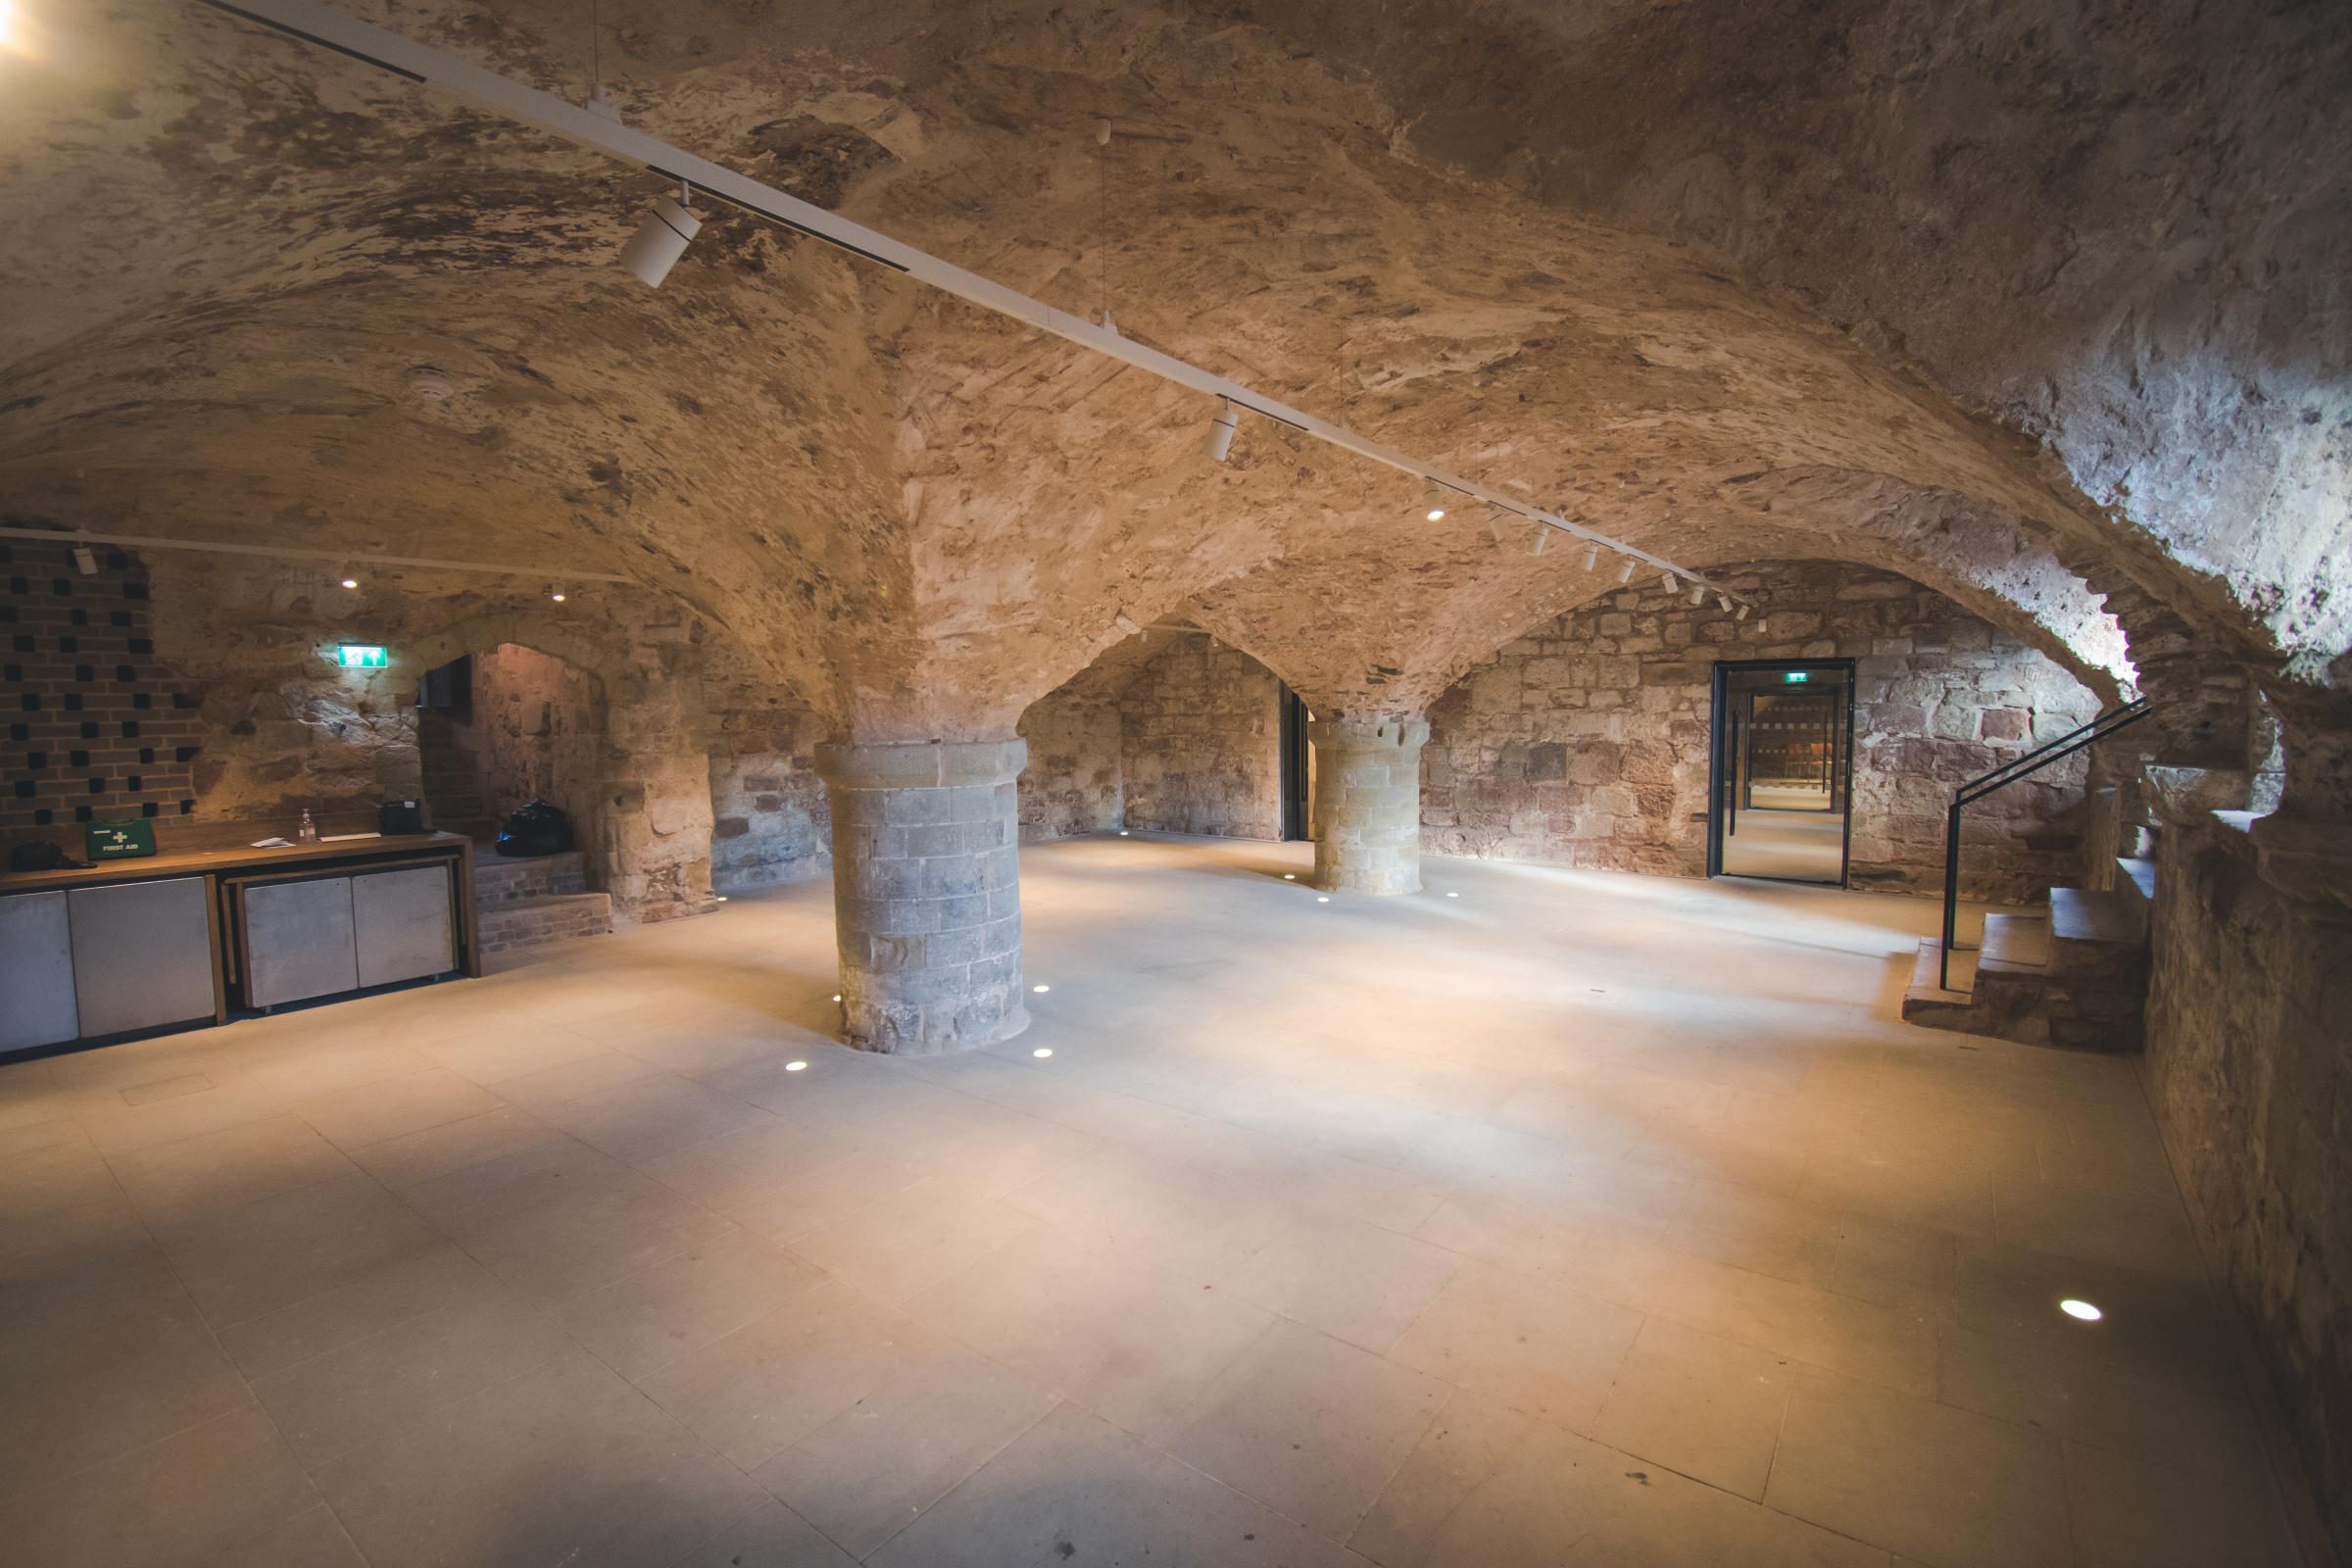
(362, 656)
(1797, 676)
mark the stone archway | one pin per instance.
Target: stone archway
(650, 768)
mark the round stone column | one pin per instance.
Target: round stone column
(927, 893)
(1368, 802)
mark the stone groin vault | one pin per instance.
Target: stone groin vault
(2006, 355)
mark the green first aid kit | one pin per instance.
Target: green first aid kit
(119, 841)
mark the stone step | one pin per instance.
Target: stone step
(1927, 1000)
(502, 879)
(529, 921)
(2136, 878)
(2017, 938)
(2093, 918)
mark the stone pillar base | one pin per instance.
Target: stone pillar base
(1368, 804)
(926, 893)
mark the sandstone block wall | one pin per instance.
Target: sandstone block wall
(536, 732)
(770, 820)
(1586, 744)
(1201, 743)
(2247, 1068)
(1075, 780)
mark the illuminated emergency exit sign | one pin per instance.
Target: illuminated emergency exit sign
(1796, 675)
(362, 656)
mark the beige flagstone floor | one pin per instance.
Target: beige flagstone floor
(1547, 1217)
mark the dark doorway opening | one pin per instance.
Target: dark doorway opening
(1779, 805)
(1297, 771)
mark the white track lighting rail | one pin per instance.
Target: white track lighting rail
(487, 90)
(142, 541)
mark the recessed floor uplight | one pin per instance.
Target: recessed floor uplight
(2081, 1309)
(1453, 895)
(796, 1066)
(1322, 897)
(1042, 1052)
(1289, 876)
(1040, 990)
(836, 996)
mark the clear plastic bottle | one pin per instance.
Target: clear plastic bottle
(308, 833)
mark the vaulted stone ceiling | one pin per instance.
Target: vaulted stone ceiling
(1995, 303)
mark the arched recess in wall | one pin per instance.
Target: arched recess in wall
(1173, 730)
(649, 839)
(1585, 741)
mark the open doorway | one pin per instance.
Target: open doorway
(505, 727)
(1298, 767)
(1781, 801)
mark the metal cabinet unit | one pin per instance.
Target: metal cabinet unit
(296, 937)
(404, 924)
(37, 972)
(126, 947)
(313, 936)
(142, 954)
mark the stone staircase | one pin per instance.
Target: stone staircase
(522, 904)
(2071, 973)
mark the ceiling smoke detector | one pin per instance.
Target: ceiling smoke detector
(431, 383)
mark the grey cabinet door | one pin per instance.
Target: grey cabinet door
(37, 972)
(403, 923)
(142, 954)
(298, 940)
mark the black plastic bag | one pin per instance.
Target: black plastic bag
(535, 829)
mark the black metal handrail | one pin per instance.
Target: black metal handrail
(2009, 772)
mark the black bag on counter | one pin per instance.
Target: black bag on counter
(40, 854)
(535, 829)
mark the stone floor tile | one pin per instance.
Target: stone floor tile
(648, 1118)
(291, 1247)
(209, 1175)
(1919, 1478)
(202, 1491)
(2128, 1513)
(544, 1086)
(1353, 1281)
(407, 1285)
(770, 1536)
(312, 1539)
(650, 1318)
(865, 1475)
(422, 1155)
(1545, 1350)
(1075, 1487)
(1698, 1405)
(105, 1371)
(752, 1394)
(1308, 1425)
(354, 1117)
(564, 1464)
(1133, 1344)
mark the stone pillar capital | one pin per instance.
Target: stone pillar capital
(921, 765)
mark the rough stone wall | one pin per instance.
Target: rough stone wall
(1202, 743)
(1587, 743)
(1075, 780)
(2249, 1071)
(770, 822)
(537, 732)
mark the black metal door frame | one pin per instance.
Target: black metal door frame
(1292, 748)
(1718, 760)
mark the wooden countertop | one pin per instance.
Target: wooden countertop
(231, 857)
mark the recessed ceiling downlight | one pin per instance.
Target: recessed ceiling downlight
(2081, 1309)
